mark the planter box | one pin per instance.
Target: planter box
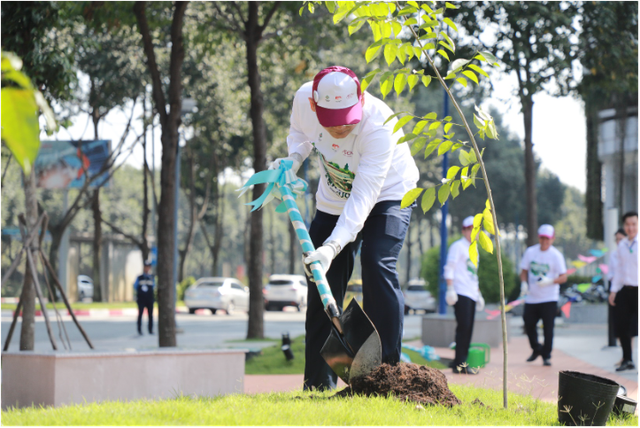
(55, 379)
(440, 330)
(587, 314)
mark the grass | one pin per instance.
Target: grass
(302, 409)
(273, 361)
(80, 305)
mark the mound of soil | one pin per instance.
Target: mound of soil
(405, 381)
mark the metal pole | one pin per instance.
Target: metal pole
(442, 305)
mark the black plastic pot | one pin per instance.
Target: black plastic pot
(624, 405)
(585, 399)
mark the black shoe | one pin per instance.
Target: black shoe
(466, 370)
(546, 361)
(151, 333)
(626, 365)
(533, 356)
(139, 333)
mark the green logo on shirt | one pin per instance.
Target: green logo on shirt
(340, 179)
(471, 268)
(539, 269)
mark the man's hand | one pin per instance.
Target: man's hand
(480, 303)
(295, 158)
(451, 297)
(324, 255)
(524, 288)
(545, 281)
(612, 298)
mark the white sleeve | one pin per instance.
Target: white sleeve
(452, 259)
(525, 261)
(616, 283)
(561, 265)
(613, 263)
(375, 161)
(297, 140)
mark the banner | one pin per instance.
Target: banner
(66, 164)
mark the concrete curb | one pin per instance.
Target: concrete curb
(102, 313)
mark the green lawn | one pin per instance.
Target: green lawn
(273, 361)
(479, 407)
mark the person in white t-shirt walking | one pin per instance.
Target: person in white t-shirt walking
(543, 270)
(623, 295)
(364, 175)
(463, 293)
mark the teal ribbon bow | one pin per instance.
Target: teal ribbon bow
(275, 178)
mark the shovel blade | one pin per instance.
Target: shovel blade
(358, 350)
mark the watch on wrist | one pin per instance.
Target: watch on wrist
(336, 247)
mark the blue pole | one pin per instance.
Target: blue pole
(442, 305)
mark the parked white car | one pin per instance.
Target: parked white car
(85, 287)
(285, 290)
(416, 297)
(217, 293)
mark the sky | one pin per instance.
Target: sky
(559, 131)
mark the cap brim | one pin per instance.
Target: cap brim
(344, 116)
(545, 236)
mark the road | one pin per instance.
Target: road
(200, 331)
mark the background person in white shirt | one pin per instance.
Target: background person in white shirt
(463, 293)
(364, 175)
(543, 270)
(624, 290)
(613, 257)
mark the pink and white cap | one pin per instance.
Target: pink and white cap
(547, 231)
(337, 95)
(467, 222)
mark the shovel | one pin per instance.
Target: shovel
(353, 348)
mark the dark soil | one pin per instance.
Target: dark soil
(406, 382)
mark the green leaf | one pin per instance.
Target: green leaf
(410, 197)
(400, 83)
(342, 12)
(447, 45)
(458, 64)
(426, 8)
(434, 125)
(428, 199)
(413, 80)
(407, 10)
(443, 193)
(455, 188)
(486, 243)
(450, 76)
(355, 25)
(444, 54)
(331, 6)
(452, 171)
(488, 221)
(407, 137)
(418, 145)
(465, 170)
(403, 121)
(396, 27)
(368, 78)
(474, 169)
(477, 220)
(450, 23)
(372, 53)
(414, 4)
(462, 81)
(489, 56)
(431, 116)
(451, 6)
(390, 52)
(464, 157)
(487, 205)
(449, 41)
(491, 130)
(312, 8)
(473, 253)
(431, 147)
(471, 75)
(447, 127)
(478, 69)
(426, 80)
(394, 115)
(444, 147)
(20, 127)
(419, 127)
(386, 85)
(410, 21)
(401, 55)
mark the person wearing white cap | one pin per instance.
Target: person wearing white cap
(463, 293)
(543, 270)
(364, 175)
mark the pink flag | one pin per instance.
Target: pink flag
(570, 271)
(588, 259)
(604, 268)
(566, 309)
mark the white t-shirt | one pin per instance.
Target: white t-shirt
(613, 264)
(366, 167)
(549, 263)
(461, 270)
(626, 272)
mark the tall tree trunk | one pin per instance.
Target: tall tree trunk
(621, 136)
(530, 173)
(170, 122)
(408, 276)
(256, 306)
(594, 174)
(272, 244)
(97, 245)
(28, 295)
(192, 217)
(293, 246)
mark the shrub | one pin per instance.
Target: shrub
(487, 274)
(182, 286)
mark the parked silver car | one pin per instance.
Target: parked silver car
(416, 297)
(285, 290)
(85, 287)
(217, 293)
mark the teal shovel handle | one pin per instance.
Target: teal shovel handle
(319, 277)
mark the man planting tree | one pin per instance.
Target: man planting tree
(365, 174)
